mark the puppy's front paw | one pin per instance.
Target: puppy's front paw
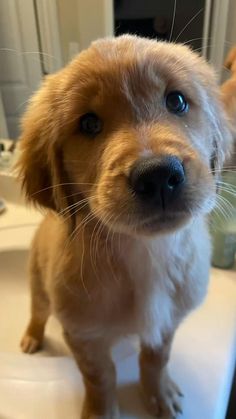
(29, 344)
(164, 402)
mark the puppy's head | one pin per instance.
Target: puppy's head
(135, 128)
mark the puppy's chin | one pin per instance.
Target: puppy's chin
(163, 223)
(138, 220)
(148, 226)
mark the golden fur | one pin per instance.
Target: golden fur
(228, 90)
(103, 267)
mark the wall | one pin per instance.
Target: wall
(68, 26)
(95, 19)
(82, 22)
(231, 26)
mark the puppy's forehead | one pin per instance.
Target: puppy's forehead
(138, 71)
(137, 67)
(137, 59)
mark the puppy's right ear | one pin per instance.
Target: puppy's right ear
(35, 165)
(230, 61)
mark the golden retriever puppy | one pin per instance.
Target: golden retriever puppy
(121, 147)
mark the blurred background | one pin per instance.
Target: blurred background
(37, 37)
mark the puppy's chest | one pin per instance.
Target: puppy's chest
(146, 291)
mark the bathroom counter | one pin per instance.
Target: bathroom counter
(17, 226)
(17, 222)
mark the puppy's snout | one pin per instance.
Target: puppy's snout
(157, 180)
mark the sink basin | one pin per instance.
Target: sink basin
(31, 387)
(15, 307)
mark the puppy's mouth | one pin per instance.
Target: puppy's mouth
(161, 222)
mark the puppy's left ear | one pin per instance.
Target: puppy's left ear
(39, 167)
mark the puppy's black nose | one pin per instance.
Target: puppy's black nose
(157, 180)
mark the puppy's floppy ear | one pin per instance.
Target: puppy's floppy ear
(37, 165)
(222, 132)
(230, 61)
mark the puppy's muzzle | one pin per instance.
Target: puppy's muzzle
(157, 181)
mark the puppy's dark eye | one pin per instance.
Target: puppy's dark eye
(90, 124)
(176, 103)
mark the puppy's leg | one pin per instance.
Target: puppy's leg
(161, 394)
(33, 337)
(97, 368)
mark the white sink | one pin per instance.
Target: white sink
(48, 383)
(17, 227)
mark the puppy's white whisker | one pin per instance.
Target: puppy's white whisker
(218, 210)
(228, 190)
(111, 229)
(61, 184)
(225, 207)
(173, 21)
(225, 186)
(109, 253)
(27, 52)
(76, 193)
(97, 231)
(75, 211)
(222, 171)
(228, 185)
(76, 207)
(101, 227)
(72, 237)
(82, 263)
(201, 38)
(71, 206)
(85, 220)
(208, 46)
(228, 205)
(78, 161)
(190, 21)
